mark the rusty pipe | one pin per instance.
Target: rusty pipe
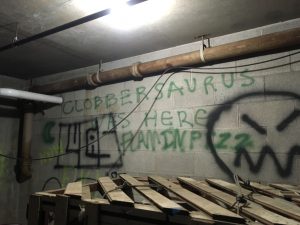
(257, 45)
(23, 166)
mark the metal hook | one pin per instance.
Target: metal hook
(15, 39)
(100, 65)
(202, 47)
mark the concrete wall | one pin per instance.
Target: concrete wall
(218, 104)
(10, 190)
(172, 140)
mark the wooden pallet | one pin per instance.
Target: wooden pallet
(157, 200)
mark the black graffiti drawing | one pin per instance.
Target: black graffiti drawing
(84, 137)
(247, 119)
(254, 166)
(284, 124)
(283, 171)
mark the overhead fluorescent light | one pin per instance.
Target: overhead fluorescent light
(125, 17)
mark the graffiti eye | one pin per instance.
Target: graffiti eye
(284, 123)
(253, 124)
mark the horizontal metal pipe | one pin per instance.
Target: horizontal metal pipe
(64, 27)
(258, 45)
(13, 93)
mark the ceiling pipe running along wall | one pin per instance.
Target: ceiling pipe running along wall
(271, 42)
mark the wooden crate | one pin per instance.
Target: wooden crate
(157, 200)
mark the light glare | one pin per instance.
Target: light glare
(127, 17)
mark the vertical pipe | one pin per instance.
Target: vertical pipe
(23, 167)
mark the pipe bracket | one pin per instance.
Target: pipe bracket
(90, 81)
(98, 80)
(202, 47)
(134, 69)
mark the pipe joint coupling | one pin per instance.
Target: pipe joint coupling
(90, 80)
(135, 70)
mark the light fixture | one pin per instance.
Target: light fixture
(125, 17)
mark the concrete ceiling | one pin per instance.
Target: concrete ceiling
(89, 43)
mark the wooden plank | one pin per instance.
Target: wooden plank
(142, 210)
(139, 213)
(252, 210)
(34, 210)
(138, 210)
(163, 203)
(296, 200)
(265, 189)
(45, 194)
(201, 217)
(290, 194)
(277, 205)
(148, 212)
(280, 206)
(229, 187)
(212, 209)
(99, 201)
(286, 187)
(86, 192)
(93, 187)
(74, 189)
(56, 191)
(61, 210)
(113, 194)
(273, 192)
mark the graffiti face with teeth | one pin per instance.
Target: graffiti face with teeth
(268, 149)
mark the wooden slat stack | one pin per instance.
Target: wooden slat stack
(157, 200)
(274, 204)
